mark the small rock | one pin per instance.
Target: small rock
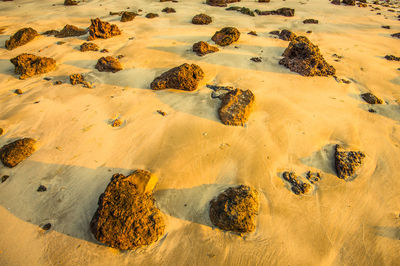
(108, 64)
(58, 82)
(310, 21)
(202, 48)
(116, 123)
(313, 177)
(226, 36)
(18, 91)
(285, 11)
(79, 79)
(392, 58)
(236, 107)
(15, 152)
(70, 31)
(151, 15)
(4, 178)
(1, 131)
(70, 3)
(28, 65)
(347, 162)
(201, 19)
(21, 37)
(89, 46)
(370, 98)
(120, 56)
(243, 10)
(252, 33)
(287, 35)
(46, 227)
(161, 113)
(298, 187)
(51, 32)
(41, 188)
(220, 3)
(349, 2)
(396, 35)
(60, 43)
(168, 10)
(274, 32)
(104, 51)
(336, 2)
(385, 27)
(102, 30)
(371, 110)
(256, 59)
(128, 16)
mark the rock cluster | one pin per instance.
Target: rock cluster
(108, 64)
(102, 30)
(226, 36)
(298, 187)
(202, 48)
(28, 65)
(347, 162)
(21, 37)
(201, 19)
(17, 151)
(236, 107)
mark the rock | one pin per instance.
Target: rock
(284, 11)
(201, 19)
(226, 36)
(310, 21)
(79, 79)
(21, 37)
(256, 59)
(108, 64)
(349, 2)
(184, 77)
(202, 48)
(287, 35)
(336, 2)
(1, 131)
(161, 112)
(58, 82)
(303, 57)
(151, 15)
(116, 123)
(252, 33)
(236, 107)
(104, 51)
(385, 27)
(168, 10)
(18, 91)
(126, 217)
(243, 10)
(17, 151)
(102, 30)
(89, 46)
(347, 162)
(298, 187)
(46, 227)
(370, 98)
(70, 3)
(4, 178)
(41, 188)
(264, 1)
(220, 3)
(392, 58)
(274, 32)
(70, 31)
(313, 177)
(29, 65)
(128, 16)
(235, 209)
(51, 32)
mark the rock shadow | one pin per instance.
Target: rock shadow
(324, 159)
(388, 232)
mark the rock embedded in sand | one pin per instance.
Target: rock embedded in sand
(41, 188)
(128, 16)
(201, 19)
(1, 131)
(235, 209)
(335, 2)
(347, 162)
(370, 98)
(28, 65)
(284, 11)
(17, 151)
(252, 33)
(70, 3)
(287, 35)
(236, 107)
(70, 31)
(226, 36)
(202, 48)
(184, 77)
(79, 79)
(310, 21)
(349, 2)
(168, 10)
(243, 10)
(303, 57)
(220, 3)
(151, 15)
(297, 186)
(126, 217)
(18, 91)
(108, 64)
(392, 58)
(21, 37)
(396, 35)
(256, 59)
(88, 46)
(51, 32)
(102, 30)
(116, 123)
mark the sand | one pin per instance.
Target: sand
(294, 126)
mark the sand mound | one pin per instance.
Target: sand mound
(17, 151)
(29, 65)
(21, 37)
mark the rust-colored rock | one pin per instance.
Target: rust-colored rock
(151, 15)
(126, 217)
(168, 10)
(28, 65)
(76, 79)
(108, 64)
(70, 3)
(70, 31)
(21, 37)
(226, 36)
(17, 151)
(89, 46)
(235, 209)
(220, 3)
(202, 48)
(102, 30)
(128, 16)
(184, 77)
(370, 98)
(298, 187)
(347, 162)
(305, 58)
(236, 107)
(201, 19)
(287, 35)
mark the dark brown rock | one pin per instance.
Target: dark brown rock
(287, 35)
(298, 187)
(370, 98)
(256, 59)
(226, 36)
(128, 16)
(243, 10)
(220, 3)
(102, 30)
(126, 217)
(235, 209)
(89, 46)
(51, 32)
(347, 162)
(15, 152)
(70, 31)
(349, 2)
(284, 11)
(264, 1)
(168, 10)
(336, 2)
(18, 91)
(108, 64)
(41, 188)
(202, 48)
(275, 32)
(21, 37)
(236, 107)
(305, 58)
(252, 33)
(310, 21)
(392, 58)
(151, 15)
(4, 178)
(28, 65)
(201, 19)
(70, 3)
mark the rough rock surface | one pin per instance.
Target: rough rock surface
(347, 162)
(287, 35)
(310, 21)
(126, 217)
(235, 209)
(151, 15)
(236, 107)
(70, 3)
(298, 187)
(102, 30)
(184, 77)
(370, 98)
(89, 46)
(284, 11)
(168, 10)
(349, 2)
(108, 64)
(226, 36)
(28, 65)
(220, 3)
(79, 79)
(17, 151)
(70, 31)
(21, 37)
(303, 57)
(202, 48)
(128, 16)
(51, 32)
(201, 19)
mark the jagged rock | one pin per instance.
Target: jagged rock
(220, 3)
(243, 10)
(128, 16)
(102, 30)
(349, 2)
(126, 217)
(41, 188)
(201, 19)
(184, 77)
(76, 79)
(89, 46)
(70, 3)
(303, 57)
(151, 15)
(108, 64)
(298, 187)
(168, 10)
(287, 35)
(116, 123)
(347, 162)
(235, 209)
(17, 151)
(21, 37)
(392, 58)
(202, 48)
(370, 98)
(236, 107)
(226, 36)
(284, 11)
(310, 21)
(70, 31)
(28, 65)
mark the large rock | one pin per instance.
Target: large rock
(201, 19)
(220, 3)
(236, 107)
(202, 48)
(17, 151)
(28, 65)
(108, 64)
(347, 162)
(184, 77)
(235, 209)
(70, 31)
(21, 37)
(126, 217)
(226, 36)
(102, 30)
(305, 58)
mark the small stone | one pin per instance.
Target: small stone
(21, 37)
(60, 43)
(274, 32)
(46, 227)
(168, 10)
(347, 162)
(1, 131)
(285, 11)
(15, 152)
(41, 188)
(252, 33)
(28, 65)
(370, 98)
(58, 82)
(70, 3)
(4, 178)
(226, 36)
(104, 51)
(51, 32)
(70, 31)
(128, 16)
(349, 2)
(76, 79)
(236, 107)
(336, 2)
(202, 48)
(371, 110)
(161, 113)
(151, 15)
(243, 10)
(102, 30)
(392, 58)
(116, 123)
(88, 46)
(298, 187)
(201, 19)
(18, 91)
(309, 31)
(120, 56)
(313, 177)
(220, 3)
(256, 59)
(108, 64)
(396, 35)
(310, 21)
(385, 27)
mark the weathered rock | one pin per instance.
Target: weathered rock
(202, 48)
(284, 11)
(226, 36)
(17, 151)
(243, 10)
(313, 177)
(108, 64)
(28, 65)
(396, 35)
(252, 33)
(303, 57)
(168, 10)
(287, 35)
(21, 37)
(220, 3)
(41, 188)
(128, 16)
(349, 2)
(298, 187)
(70, 31)
(201, 19)
(126, 217)
(256, 59)
(236, 107)
(70, 3)
(370, 98)
(102, 30)
(392, 58)
(151, 15)
(235, 209)
(4, 178)
(347, 162)
(336, 2)
(89, 46)
(274, 32)
(385, 27)
(184, 77)
(116, 123)
(79, 79)
(264, 1)
(310, 21)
